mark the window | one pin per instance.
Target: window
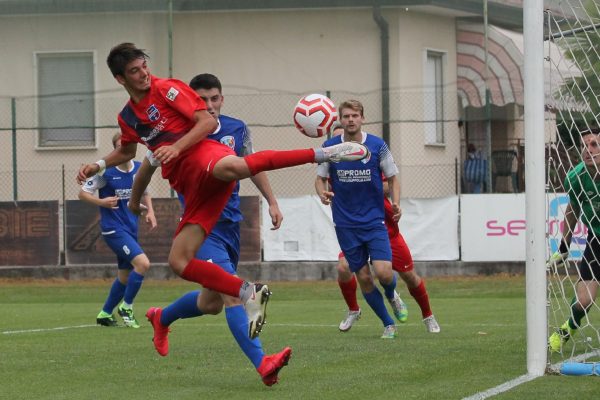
(66, 106)
(434, 98)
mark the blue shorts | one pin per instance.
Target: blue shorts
(125, 246)
(222, 246)
(361, 244)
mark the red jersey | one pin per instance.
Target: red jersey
(162, 116)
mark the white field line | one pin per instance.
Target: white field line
(506, 386)
(299, 325)
(58, 328)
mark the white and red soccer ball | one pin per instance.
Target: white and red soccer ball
(314, 115)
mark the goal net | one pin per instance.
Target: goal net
(572, 47)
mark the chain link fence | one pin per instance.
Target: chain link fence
(47, 172)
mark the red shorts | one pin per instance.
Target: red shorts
(191, 175)
(401, 258)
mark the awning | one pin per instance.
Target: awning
(505, 60)
(505, 66)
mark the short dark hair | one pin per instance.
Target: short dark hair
(206, 82)
(121, 55)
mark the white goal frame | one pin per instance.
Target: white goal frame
(535, 194)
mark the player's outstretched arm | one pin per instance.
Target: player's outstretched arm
(322, 192)
(261, 181)
(394, 191)
(150, 216)
(140, 183)
(106, 202)
(119, 155)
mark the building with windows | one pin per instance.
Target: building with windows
(59, 102)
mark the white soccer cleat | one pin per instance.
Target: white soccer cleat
(350, 319)
(256, 309)
(431, 324)
(346, 151)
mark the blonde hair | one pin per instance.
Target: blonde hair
(353, 105)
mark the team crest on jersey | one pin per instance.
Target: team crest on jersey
(228, 141)
(172, 94)
(153, 113)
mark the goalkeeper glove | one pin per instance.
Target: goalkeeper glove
(559, 257)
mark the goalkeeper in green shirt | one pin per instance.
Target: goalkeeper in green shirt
(583, 187)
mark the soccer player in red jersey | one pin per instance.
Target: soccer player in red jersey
(171, 120)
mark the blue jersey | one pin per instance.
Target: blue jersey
(358, 185)
(115, 182)
(232, 133)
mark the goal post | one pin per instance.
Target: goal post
(535, 271)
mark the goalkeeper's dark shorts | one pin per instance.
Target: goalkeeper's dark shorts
(589, 267)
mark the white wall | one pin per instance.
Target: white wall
(276, 55)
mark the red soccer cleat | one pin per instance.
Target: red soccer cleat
(270, 366)
(160, 339)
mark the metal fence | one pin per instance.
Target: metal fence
(30, 171)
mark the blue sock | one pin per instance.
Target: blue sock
(134, 283)
(389, 288)
(238, 325)
(375, 301)
(184, 307)
(114, 296)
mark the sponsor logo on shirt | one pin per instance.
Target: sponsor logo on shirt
(152, 112)
(228, 141)
(172, 94)
(354, 175)
(156, 130)
(123, 193)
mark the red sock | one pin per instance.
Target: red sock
(268, 160)
(349, 292)
(422, 298)
(211, 276)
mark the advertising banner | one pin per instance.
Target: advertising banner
(29, 233)
(86, 246)
(429, 227)
(492, 227)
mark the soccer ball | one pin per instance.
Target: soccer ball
(314, 115)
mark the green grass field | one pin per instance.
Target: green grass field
(482, 345)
